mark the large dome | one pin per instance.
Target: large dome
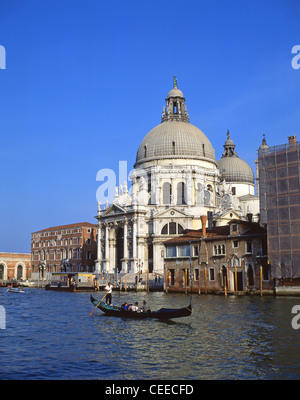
(231, 167)
(175, 137)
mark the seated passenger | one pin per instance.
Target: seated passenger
(135, 307)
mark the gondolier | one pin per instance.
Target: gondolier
(108, 289)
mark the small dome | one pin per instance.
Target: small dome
(234, 169)
(175, 93)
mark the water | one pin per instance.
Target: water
(51, 335)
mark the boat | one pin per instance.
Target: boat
(15, 290)
(71, 282)
(162, 313)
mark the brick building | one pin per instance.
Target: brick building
(15, 266)
(212, 259)
(65, 248)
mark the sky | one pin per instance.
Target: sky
(86, 80)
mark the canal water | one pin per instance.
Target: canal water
(50, 335)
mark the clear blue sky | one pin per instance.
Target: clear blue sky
(86, 80)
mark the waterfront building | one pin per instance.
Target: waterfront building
(15, 266)
(65, 248)
(231, 258)
(176, 180)
(279, 189)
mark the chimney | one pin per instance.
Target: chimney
(203, 220)
(292, 140)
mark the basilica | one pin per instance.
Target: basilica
(176, 184)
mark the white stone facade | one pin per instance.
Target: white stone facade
(176, 180)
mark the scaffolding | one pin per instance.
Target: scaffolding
(279, 186)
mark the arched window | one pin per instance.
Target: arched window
(19, 272)
(167, 193)
(181, 193)
(164, 230)
(172, 228)
(1, 272)
(179, 229)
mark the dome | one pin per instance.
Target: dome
(175, 139)
(175, 93)
(234, 169)
(231, 167)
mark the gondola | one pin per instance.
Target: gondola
(163, 313)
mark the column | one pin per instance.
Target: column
(106, 269)
(125, 249)
(134, 232)
(99, 252)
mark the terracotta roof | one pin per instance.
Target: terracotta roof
(217, 232)
(70, 226)
(211, 233)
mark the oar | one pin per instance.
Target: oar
(98, 303)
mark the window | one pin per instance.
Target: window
(181, 193)
(235, 244)
(88, 241)
(195, 251)
(179, 229)
(164, 230)
(197, 274)
(211, 274)
(171, 251)
(234, 227)
(219, 250)
(249, 247)
(172, 228)
(184, 251)
(233, 191)
(167, 193)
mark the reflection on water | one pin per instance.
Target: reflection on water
(50, 335)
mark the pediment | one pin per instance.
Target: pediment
(113, 209)
(171, 212)
(229, 214)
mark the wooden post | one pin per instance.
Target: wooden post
(166, 281)
(205, 279)
(199, 290)
(147, 280)
(185, 272)
(261, 270)
(125, 283)
(235, 279)
(225, 286)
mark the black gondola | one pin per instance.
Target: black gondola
(163, 313)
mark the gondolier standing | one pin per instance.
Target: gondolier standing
(108, 289)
